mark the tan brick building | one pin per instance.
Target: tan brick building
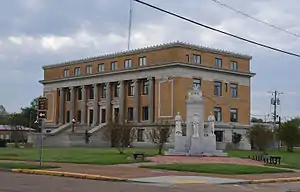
(148, 84)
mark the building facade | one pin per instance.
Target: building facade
(147, 85)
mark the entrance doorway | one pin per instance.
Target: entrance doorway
(103, 115)
(91, 115)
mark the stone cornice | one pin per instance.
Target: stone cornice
(148, 49)
(164, 65)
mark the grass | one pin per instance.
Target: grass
(228, 169)
(288, 160)
(101, 156)
(8, 165)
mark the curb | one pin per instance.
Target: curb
(260, 181)
(68, 174)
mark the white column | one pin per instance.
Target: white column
(95, 107)
(72, 101)
(136, 101)
(61, 106)
(83, 105)
(151, 100)
(108, 104)
(121, 102)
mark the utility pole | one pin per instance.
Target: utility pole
(130, 23)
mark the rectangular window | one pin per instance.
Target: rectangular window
(91, 96)
(234, 90)
(103, 91)
(233, 115)
(89, 69)
(66, 72)
(68, 117)
(196, 59)
(68, 95)
(142, 61)
(101, 67)
(103, 115)
(113, 65)
(218, 113)
(79, 93)
(233, 66)
(145, 88)
(187, 58)
(218, 63)
(77, 71)
(117, 90)
(130, 114)
(219, 136)
(127, 64)
(197, 83)
(217, 88)
(145, 113)
(130, 89)
(140, 135)
(79, 116)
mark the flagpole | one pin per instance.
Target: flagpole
(130, 23)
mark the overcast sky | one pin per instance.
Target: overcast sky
(34, 33)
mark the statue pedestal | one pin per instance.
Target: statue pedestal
(196, 147)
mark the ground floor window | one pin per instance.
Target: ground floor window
(140, 135)
(219, 136)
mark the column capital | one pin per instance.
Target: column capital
(107, 84)
(95, 85)
(82, 86)
(71, 88)
(149, 78)
(135, 80)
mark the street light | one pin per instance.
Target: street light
(73, 124)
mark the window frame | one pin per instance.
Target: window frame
(218, 63)
(218, 85)
(219, 111)
(196, 59)
(145, 113)
(234, 90)
(142, 61)
(127, 64)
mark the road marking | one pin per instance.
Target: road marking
(190, 181)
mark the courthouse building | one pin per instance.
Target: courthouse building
(147, 85)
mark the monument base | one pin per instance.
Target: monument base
(180, 147)
(196, 147)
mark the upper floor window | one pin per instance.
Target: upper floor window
(233, 115)
(130, 114)
(233, 66)
(117, 90)
(197, 83)
(218, 63)
(127, 63)
(113, 65)
(234, 90)
(66, 73)
(196, 59)
(145, 88)
(130, 89)
(89, 69)
(145, 113)
(218, 88)
(103, 91)
(218, 113)
(77, 71)
(187, 58)
(101, 67)
(142, 61)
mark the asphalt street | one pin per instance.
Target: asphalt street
(13, 182)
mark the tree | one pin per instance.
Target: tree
(3, 111)
(30, 113)
(120, 135)
(256, 120)
(260, 136)
(236, 138)
(159, 134)
(289, 133)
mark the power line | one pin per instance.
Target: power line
(217, 30)
(256, 19)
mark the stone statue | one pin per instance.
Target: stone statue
(196, 122)
(178, 127)
(195, 93)
(211, 122)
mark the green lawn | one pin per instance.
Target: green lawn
(102, 156)
(288, 160)
(8, 165)
(228, 169)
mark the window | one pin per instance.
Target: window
(68, 95)
(130, 89)
(142, 61)
(91, 92)
(197, 59)
(103, 91)
(218, 113)
(127, 64)
(197, 83)
(113, 65)
(145, 88)
(79, 93)
(233, 115)
(140, 135)
(218, 88)
(68, 117)
(187, 58)
(117, 90)
(233, 66)
(219, 136)
(103, 115)
(145, 113)
(79, 116)
(77, 71)
(66, 73)
(89, 69)
(130, 114)
(101, 67)
(218, 63)
(234, 90)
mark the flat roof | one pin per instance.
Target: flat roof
(148, 49)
